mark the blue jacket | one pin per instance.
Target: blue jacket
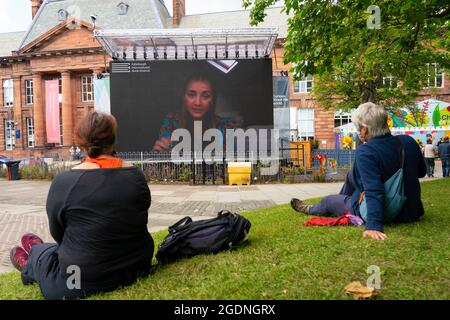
(375, 162)
(444, 150)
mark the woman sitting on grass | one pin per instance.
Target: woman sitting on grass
(98, 215)
(378, 159)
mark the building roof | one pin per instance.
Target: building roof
(141, 14)
(237, 19)
(9, 42)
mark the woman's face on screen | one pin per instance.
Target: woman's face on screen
(198, 98)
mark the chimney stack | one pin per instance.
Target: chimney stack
(179, 11)
(35, 5)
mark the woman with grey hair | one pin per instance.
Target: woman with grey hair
(376, 160)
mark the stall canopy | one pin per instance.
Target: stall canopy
(179, 44)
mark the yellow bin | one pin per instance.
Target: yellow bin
(239, 173)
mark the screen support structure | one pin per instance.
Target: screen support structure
(157, 44)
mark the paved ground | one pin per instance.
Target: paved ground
(22, 205)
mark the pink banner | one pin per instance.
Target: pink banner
(52, 111)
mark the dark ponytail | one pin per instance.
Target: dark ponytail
(96, 134)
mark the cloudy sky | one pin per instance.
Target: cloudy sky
(15, 15)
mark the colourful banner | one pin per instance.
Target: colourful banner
(102, 95)
(426, 119)
(429, 113)
(52, 111)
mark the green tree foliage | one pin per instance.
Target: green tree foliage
(339, 43)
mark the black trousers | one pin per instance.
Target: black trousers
(430, 166)
(43, 267)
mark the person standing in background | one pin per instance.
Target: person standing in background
(72, 153)
(429, 152)
(444, 154)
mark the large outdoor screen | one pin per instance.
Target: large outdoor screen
(151, 99)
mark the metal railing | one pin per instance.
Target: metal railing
(197, 169)
(193, 168)
(344, 158)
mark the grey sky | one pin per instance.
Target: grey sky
(15, 15)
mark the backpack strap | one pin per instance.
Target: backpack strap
(224, 213)
(180, 223)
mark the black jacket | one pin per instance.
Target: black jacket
(99, 220)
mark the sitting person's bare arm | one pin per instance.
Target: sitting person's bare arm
(86, 166)
(126, 164)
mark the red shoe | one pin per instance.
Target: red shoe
(28, 240)
(19, 258)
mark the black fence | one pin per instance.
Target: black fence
(192, 168)
(288, 165)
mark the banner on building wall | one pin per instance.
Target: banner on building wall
(422, 120)
(52, 120)
(281, 110)
(102, 95)
(429, 113)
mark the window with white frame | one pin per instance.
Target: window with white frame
(9, 134)
(30, 132)
(8, 93)
(342, 118)
(59, 88)
(390, 82)
(29, 91)
(305, 124)
(435, 75)
(305, 85)
(87, 89)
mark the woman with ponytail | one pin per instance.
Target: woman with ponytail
(98, 216)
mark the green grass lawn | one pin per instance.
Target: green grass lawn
(285, 260)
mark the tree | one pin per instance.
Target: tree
(358, 52)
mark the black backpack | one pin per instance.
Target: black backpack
(187, 238)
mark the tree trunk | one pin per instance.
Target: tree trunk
(369, 92)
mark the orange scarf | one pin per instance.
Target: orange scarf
(106, 163)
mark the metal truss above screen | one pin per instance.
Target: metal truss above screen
(188, 44)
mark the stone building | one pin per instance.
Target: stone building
(59, 44)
